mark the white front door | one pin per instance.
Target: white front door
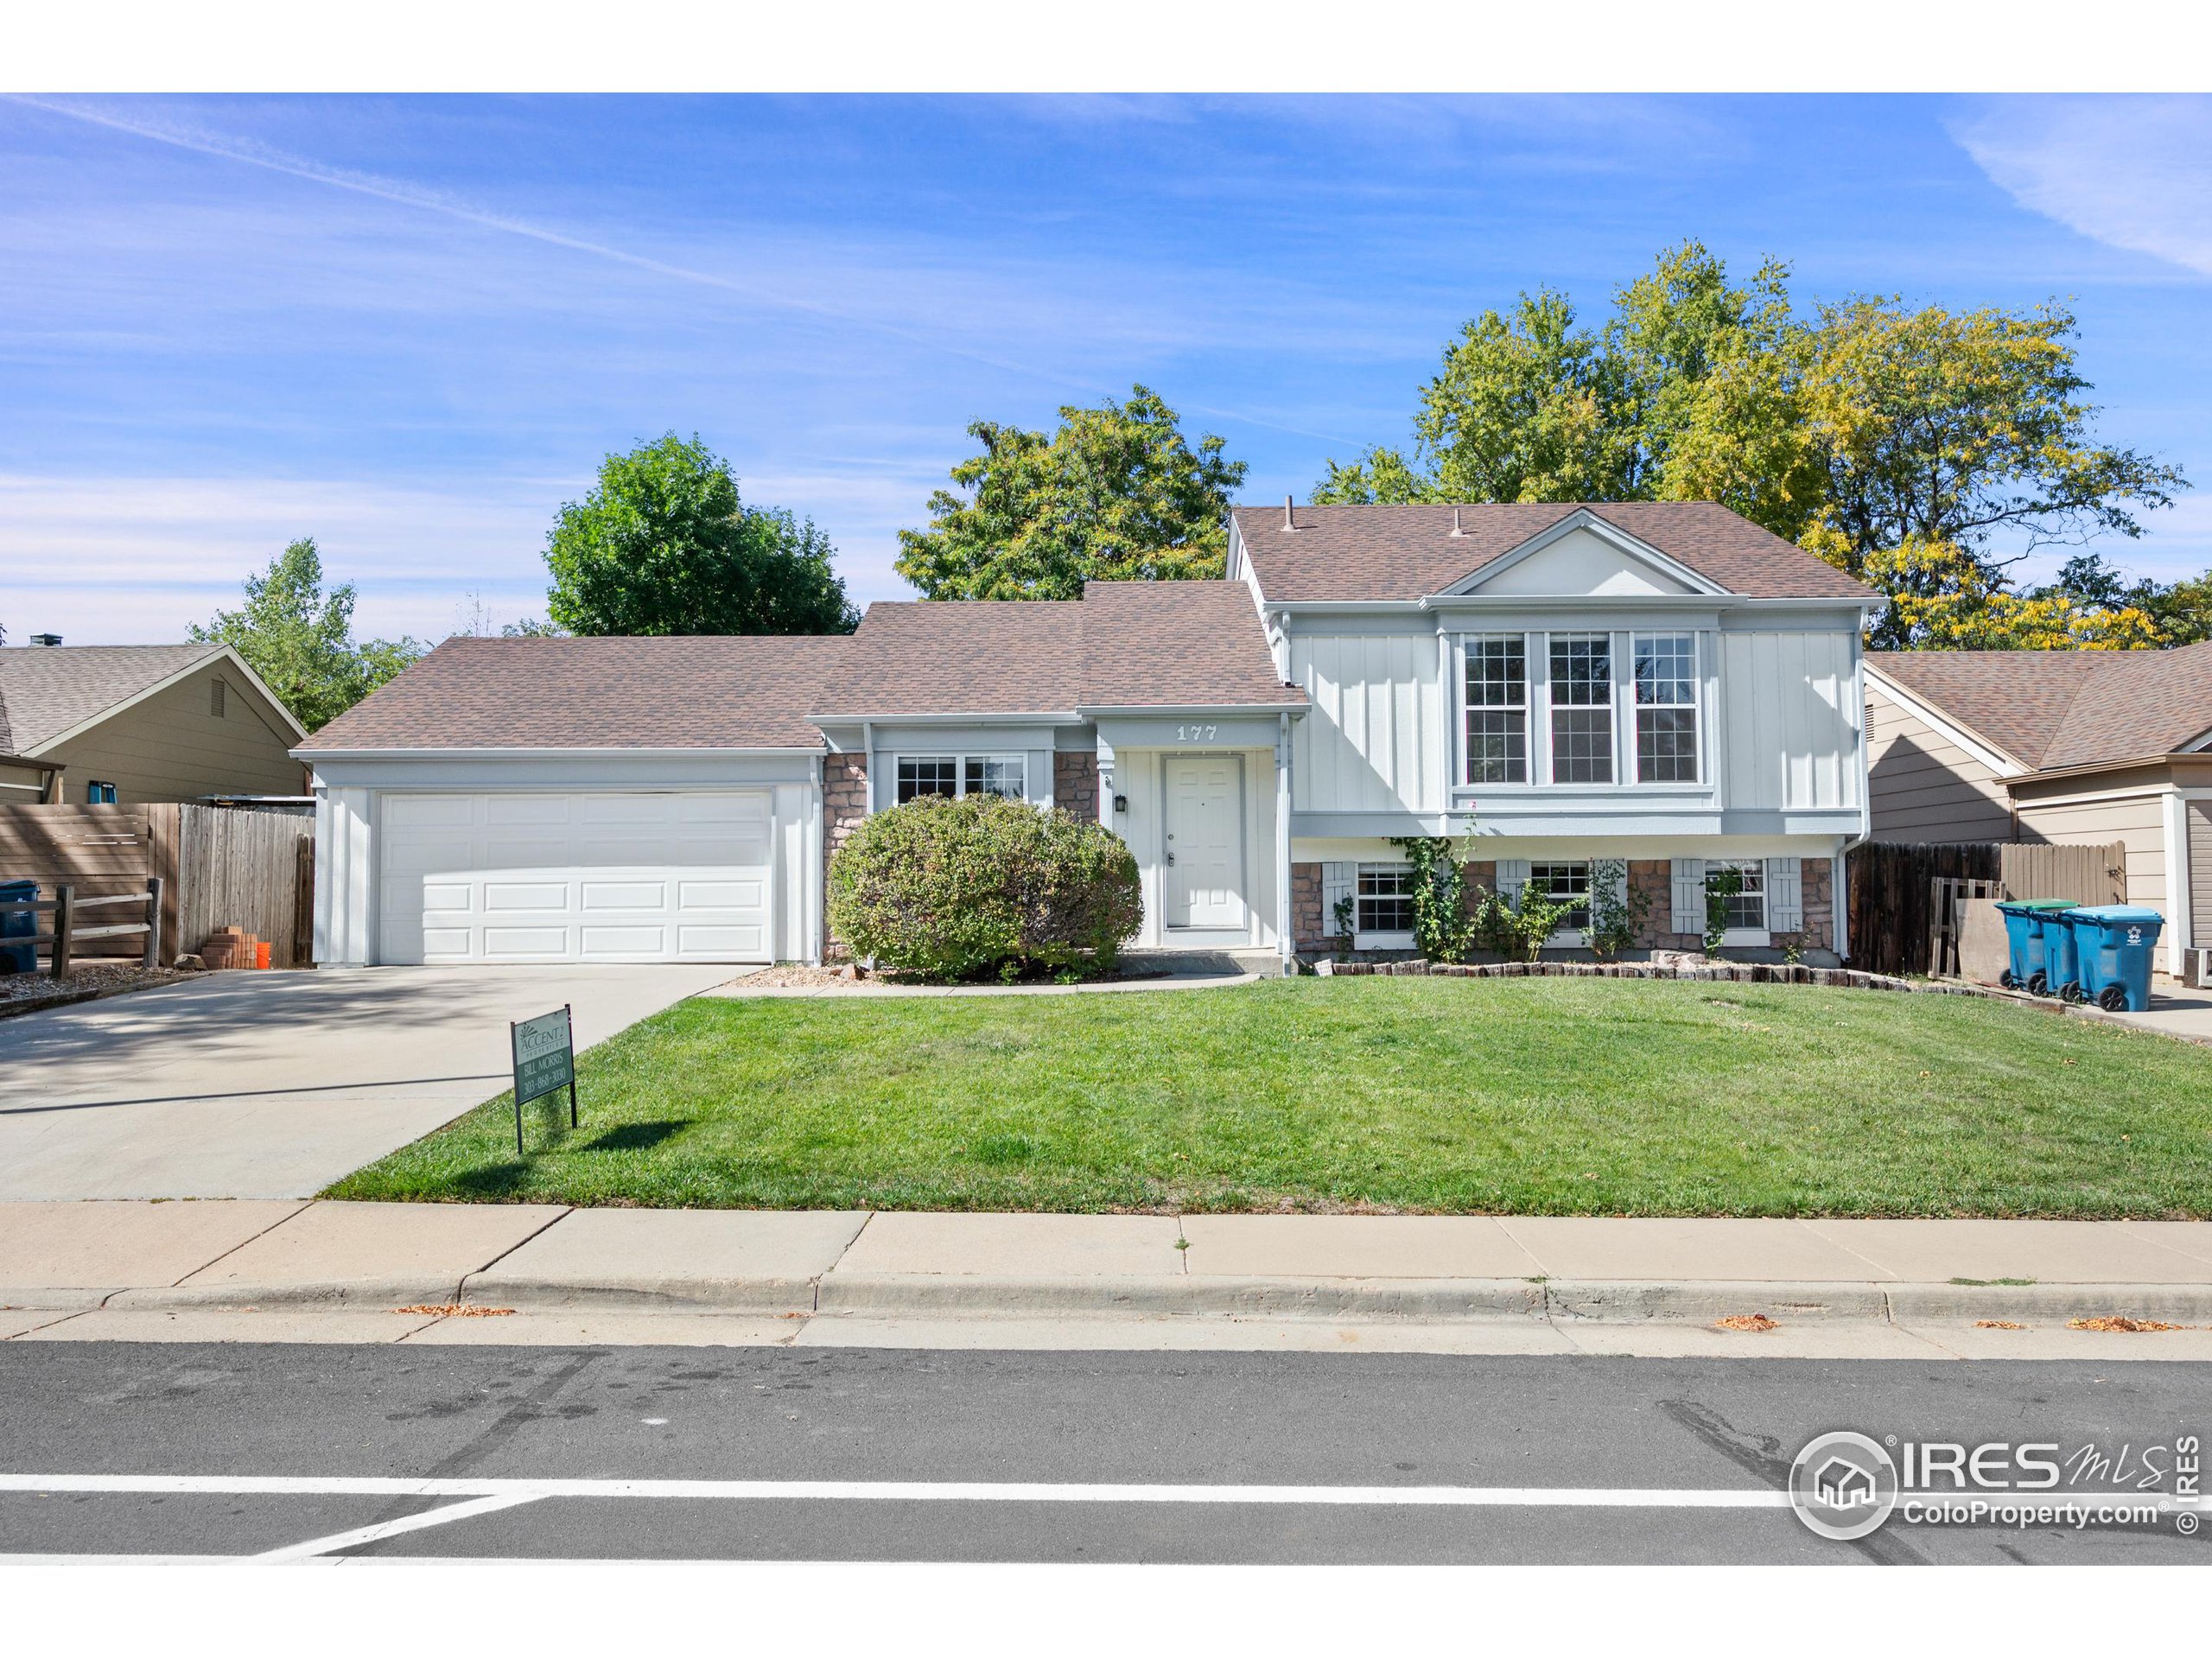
(1205, 841)
(586, 877)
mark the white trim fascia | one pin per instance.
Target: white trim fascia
(2088, 798)
(1094, 712)
(229, 653)
(1996, 759)
(1580, 519)
(2196, 745)
(310, 756)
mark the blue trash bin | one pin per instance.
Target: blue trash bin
(2062, 957)
(2115, 942)
(2024, 940)
(18, 924)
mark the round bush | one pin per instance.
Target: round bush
(951, 889)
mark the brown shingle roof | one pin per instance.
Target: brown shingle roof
(736, 691)
(1346, 553)
(1123, 644)
(45, 689)
(1168, 643)
(960, 657)
(2054, 709)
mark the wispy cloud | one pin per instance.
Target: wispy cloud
(2135, 173)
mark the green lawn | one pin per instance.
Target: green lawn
(1534, 1096)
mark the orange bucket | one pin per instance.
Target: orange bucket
(260, 953)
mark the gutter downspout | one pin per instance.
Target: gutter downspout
(1285, 923)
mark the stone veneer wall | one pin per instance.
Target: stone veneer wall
(844, 804)
(1075, 783)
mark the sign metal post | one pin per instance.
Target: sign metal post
(545, 1060)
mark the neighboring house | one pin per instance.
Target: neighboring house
(131, 724)
(2069, 747)
(1665, 686)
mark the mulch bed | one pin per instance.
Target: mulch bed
(87, 982)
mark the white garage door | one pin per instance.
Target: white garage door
(576, 878)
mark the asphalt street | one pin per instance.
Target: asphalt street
(1392, 1458)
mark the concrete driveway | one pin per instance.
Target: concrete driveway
(272, 1085)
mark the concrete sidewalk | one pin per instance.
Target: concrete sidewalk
(343, 1271)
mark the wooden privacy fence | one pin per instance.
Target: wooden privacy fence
(1903, 894)
(216, 866)
(254, 870)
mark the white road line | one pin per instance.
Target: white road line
(913, 1492)
(369, 1535)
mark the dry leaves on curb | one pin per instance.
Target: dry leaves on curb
(456, 1310)
(1745, 1322)
(1998, 1324)
(2121, 1322)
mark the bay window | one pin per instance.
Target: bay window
(1497, 709)
(1582, 709)
(1666, 708)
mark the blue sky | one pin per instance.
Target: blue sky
(411, 327)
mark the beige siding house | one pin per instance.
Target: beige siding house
(136, 723)
(2068, 748)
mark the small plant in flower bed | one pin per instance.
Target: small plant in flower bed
(984, 886)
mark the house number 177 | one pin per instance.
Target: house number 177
(1195, 734)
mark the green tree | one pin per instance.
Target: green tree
(1902, 444)
(1117, 493)
(300, 639)
(664, 545)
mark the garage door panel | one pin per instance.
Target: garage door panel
(507, 812)
(428, 811)
(584, 877)
(525, 895)
(710, 941)
(625, 895)
(612, 939)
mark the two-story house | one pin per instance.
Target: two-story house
(1666, 686)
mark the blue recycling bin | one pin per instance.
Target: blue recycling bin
(18, 924)
(2062, 957)
(2115, 942)
(2024, 940)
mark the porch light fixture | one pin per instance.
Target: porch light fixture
(1121, 802)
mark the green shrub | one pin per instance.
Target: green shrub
(948, 889)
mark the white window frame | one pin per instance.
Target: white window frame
(1553, 707)
(960, 761)
(1754, 872)
(1565, 939)
(1633, 739)
(1362, 939)
(1469, 708)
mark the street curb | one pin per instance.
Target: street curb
(344, 1293)
(671, 1293)
(1564, 1302)
(1421, 1299)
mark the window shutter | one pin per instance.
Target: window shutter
(1689, 906)
(1339, 882)
(1785, 896)
(1512, 876)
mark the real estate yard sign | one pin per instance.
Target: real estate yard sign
(545, 1060)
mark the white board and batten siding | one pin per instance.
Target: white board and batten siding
(582, 877)
(1789, 719)
(1375, 741)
